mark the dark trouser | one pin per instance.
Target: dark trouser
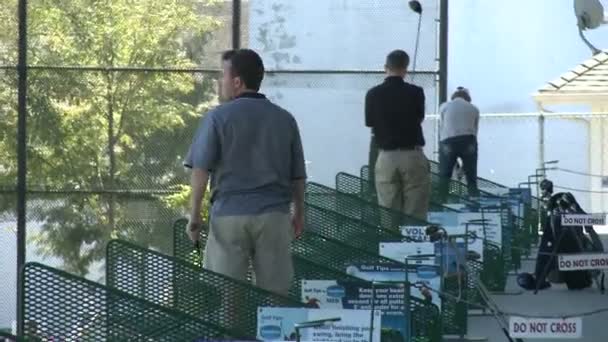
(465, 148)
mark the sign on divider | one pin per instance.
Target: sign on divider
(416, 233)
(584, 220)
(520, 327)
(580, 262)
(278, 324)
(423, 274)
(390, 300)
(399, 251)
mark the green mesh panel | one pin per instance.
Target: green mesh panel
(426, 318)
(494, 273)
(61, 307)
(353, 232)
(343, 235)
(357, 208)
(178, 284)
(364, 189)
(352, 184)
(303, 269)
(337, 255)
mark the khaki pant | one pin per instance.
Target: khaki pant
(264, 239)
(403, 181)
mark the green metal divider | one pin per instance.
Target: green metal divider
(312, 262)
(513, 241)
(493, 269)
(360, 235)
(59, 306)
(358, 208)
(179, 285)
(529, 218)
(339, 256)
(363, 188)
(303, 268)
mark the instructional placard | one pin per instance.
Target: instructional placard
(584, 220)
(427, 275)
(579, 262)
(390, 300)
(520, 327)
(399, 251)
(278, 324)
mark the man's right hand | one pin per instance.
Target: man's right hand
(194, 230)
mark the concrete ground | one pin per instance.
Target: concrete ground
(556, 300)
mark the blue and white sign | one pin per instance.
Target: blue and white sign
(390, 300)
(278, 324)
(427, 275)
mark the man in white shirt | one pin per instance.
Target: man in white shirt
(458, 132)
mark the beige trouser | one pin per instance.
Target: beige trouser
(264, 239)
(403, 181)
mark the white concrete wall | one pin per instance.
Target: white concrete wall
(501, 61)
(336, 35)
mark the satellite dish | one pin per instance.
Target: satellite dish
(589, 15)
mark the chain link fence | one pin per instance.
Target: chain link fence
(116, 90)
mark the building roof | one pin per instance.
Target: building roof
(587, 82)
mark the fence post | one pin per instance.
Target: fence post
(236, 24)
(443, 65)
(21, 158)
(443, 51)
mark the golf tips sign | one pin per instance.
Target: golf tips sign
(520, 327)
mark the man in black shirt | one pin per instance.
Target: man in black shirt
(395, 110)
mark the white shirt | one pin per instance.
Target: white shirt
(458, 118)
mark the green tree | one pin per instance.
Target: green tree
(99, 132)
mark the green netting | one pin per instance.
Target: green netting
(363, 188)
(59, 306)
(5, 336)
(528, 220)
(177, 284)
(353, 232)
(303, 269)
(339, 256)
(358, 208)
(515, 236)
(426, 319)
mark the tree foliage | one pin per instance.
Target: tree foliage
(103, 131)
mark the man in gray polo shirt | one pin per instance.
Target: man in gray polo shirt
(459, 125)
(254, 150)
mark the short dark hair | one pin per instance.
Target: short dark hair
(397, 60)
(463, 93)
(247, 65)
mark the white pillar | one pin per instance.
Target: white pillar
(598, 146)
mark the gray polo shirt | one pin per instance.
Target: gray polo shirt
(254, 151)
(458, 118)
